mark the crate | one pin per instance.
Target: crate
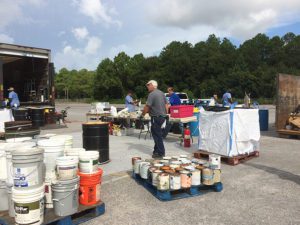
(84, 214)
(181, 111)
(171, 195)
(233, 160)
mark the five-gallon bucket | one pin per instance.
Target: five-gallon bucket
(11, 209)
(67, 167)
(90, 185)
(65, 197)
(52, 150)
(3, 196)
(68, 140)
(88, 161)
(74, 151)
(3, 171)
(28, 167)
(29, 205)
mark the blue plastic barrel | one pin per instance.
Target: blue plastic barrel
(194, 128)
(263, 119)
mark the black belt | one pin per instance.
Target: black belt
(160, 116)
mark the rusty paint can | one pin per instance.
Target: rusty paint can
(186, 179)
(175, 181)
(217, 176)
(196, 177)
(151, 170)
(163, 182)
(155, 174)
(136, 166)
(134, 158)
(144, 169)
(164, 168)
(158, 165)
(207, 176)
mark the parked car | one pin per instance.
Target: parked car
(184, 99)
(202, 102)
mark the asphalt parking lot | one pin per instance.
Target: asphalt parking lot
(264, 190)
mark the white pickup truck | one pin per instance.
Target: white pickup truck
(184, 99)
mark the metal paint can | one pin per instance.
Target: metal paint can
(151, 170)
(133, 160)
(158, 165)
(144, 167)
(167, 158)
(164, 161)
(175, 157)
(155, 177)
(174, 166)
(196, 177)
(175, 181)
(164, 168)
(207, 176)
(186, 179)
(217, 176)
(176, 162)
(136, 166)
(183, 156)
(214, 162)
(163, 182)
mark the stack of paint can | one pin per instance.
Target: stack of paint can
(177, 172)
(28, 189)
(90, 178)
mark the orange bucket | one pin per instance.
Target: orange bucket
(89, 191)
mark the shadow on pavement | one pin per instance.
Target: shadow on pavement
(284, 175)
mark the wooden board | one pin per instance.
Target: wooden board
(283, 133)
(288, 98)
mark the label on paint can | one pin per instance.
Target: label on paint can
(26, 177)
(29, 213)
(69, 172)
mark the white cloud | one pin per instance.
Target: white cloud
(93, 46)
(80, 33)
(6, 39)
(239, 18)
(10, 12)
(97, 11)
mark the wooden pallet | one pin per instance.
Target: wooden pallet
(234, 160)
(177, 194)
(283, 133)
(85, 213)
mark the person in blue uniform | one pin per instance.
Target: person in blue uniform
(129, 102)
(227, 98)
(13, 98)
(173, 97)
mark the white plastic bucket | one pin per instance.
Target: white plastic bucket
(67, 167)
(52, 150)
(68, 140)
(29, 205)
(18, 140)
(3, 196)
(88, 161)
(74, 151)
(11, 209)
(215, 162)
(28, 167)
(3, 170)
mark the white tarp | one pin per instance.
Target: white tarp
(5, 116)
(229, 133)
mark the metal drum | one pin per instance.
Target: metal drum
(95, 137)
(37, 116)
(20, 114)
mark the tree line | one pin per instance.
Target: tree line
(201, 70)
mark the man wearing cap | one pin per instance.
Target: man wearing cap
(13, 98)
(156, 106)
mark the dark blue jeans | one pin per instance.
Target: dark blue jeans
(157, 134)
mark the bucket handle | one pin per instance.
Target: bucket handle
(58, 200)
(12, 172)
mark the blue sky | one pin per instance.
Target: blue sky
(81, 33)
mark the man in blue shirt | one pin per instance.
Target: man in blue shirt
(129, 102)
(173, 97)
(13, 98)
(227, 99)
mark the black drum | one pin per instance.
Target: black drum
(20, 114)
(95, 136)
(37, 116)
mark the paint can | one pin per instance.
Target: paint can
(52, 150)
(183, 156)
(144, 170)
(176, 157)
(215, 162)
(174, 166)
(186, 179)
(48, 193)
(136, 166)
(29, 205)
(3, 196)
(90, 187)
(207, 176)
(163, 182)
(67, 167)
(155, 174)
(74, 151)
(167, 157)
(164, 162)
(196, 177)
(65, 197)
(175, 181)
(133, 160)
(217, 176)
(67, 139)
(28, 167)
(88, 161)
(158, 165)
(151, 170)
